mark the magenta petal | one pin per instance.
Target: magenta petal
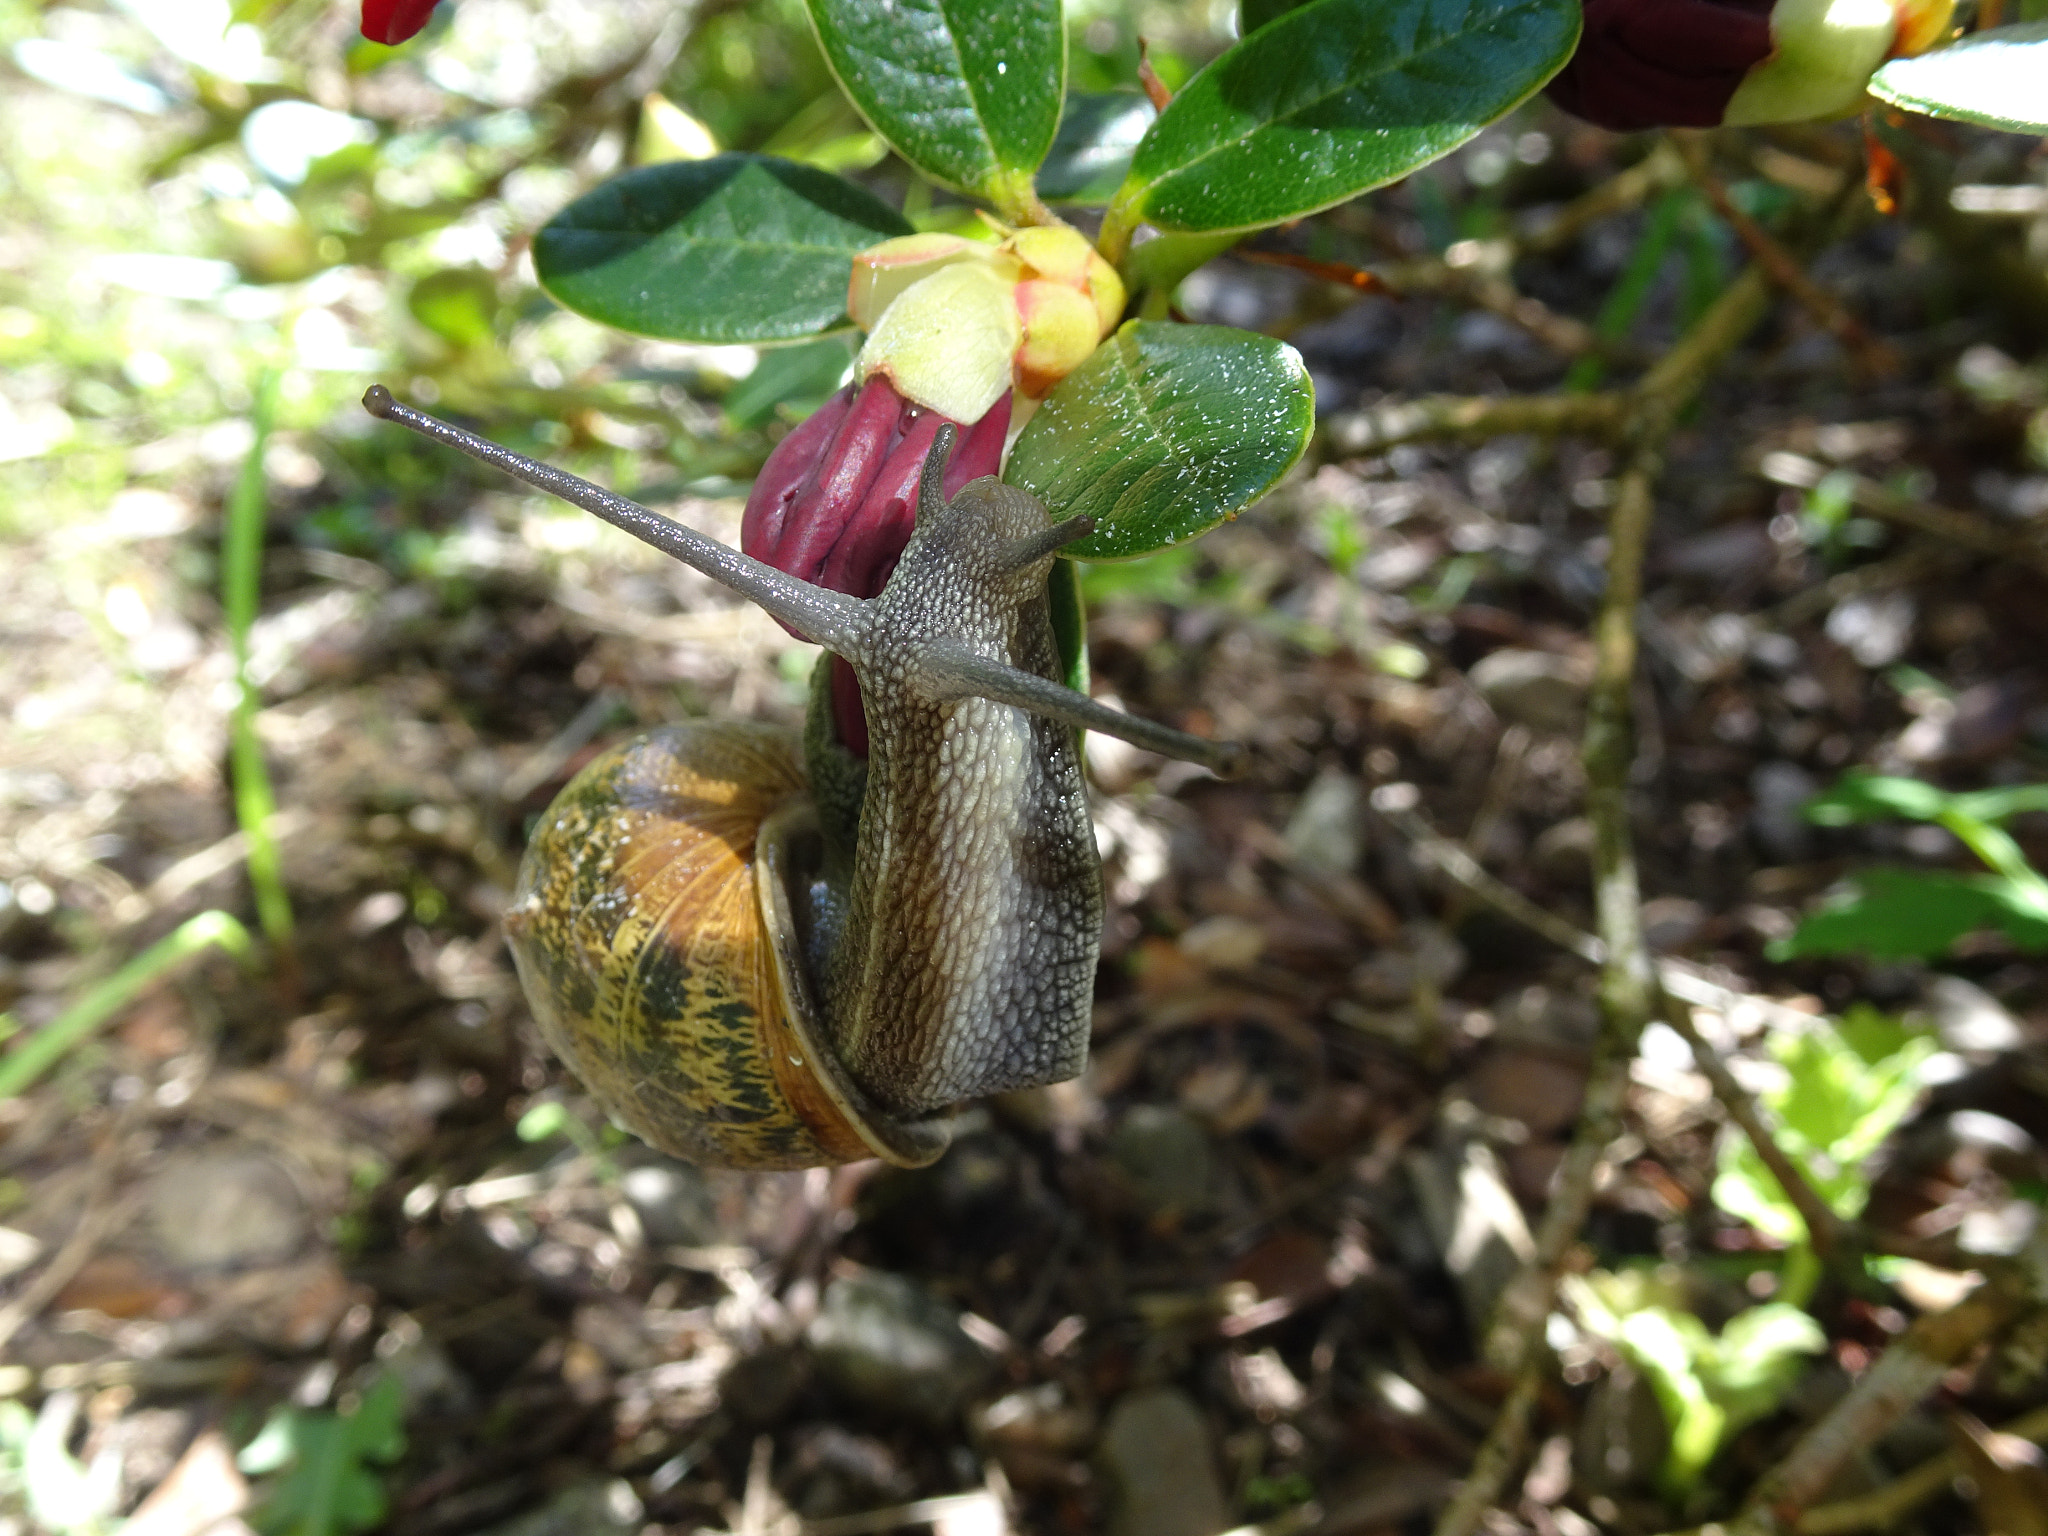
(1662, 63)
(849, 713)
(868, 549)
(391, 22)
(980, 449)
(792, 465)
(837, 501)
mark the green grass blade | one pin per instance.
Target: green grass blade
(241, 592)
(22, 1066)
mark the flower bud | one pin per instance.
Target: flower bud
(948, 340)
(1699, 63)
(391, 22)
(953, 323)
(837, 499)
(882, 272)
(1062, 255)
(1060, 329)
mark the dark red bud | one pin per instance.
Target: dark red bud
(837, 499)
(391, 22)
(1662, 63)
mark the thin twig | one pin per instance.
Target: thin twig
(1628, 992)
(1471, 418)
(104, 1213)
(1658, 171)
(1399, 804)
(1498, 1456)
(1784, 269)
(1886, 1506)
(1963, 529)
(1827, 1232)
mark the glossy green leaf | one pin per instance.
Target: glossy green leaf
(1337, 97)
(968, 91)
(737, 248)
(1069, 612)
(459, 305)
(1997, 78)
(1904, 914)
(1876, 797)
(1164, 432)
(1254, 14)
(1092, 153)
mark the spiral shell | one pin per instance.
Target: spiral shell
(655, 929)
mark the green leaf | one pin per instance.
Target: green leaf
(1994, 78)
(1996, 805)
(968, 91)
(1905, 914)
(1875, 797)
(1335, 98)
(1254, 14)
(1165, 431)
(327, 1485)
(798, 379)
(459, 305)
(1099, 131)
(737, 248)
(1069, 611)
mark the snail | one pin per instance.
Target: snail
(757, 955)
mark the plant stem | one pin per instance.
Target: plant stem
(1995, 846)
(241, 590)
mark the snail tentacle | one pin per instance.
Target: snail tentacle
(952, 671)
(831, 619)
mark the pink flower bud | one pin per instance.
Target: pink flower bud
(837, 499)
(1699, 63)
(954, 323)
(392, 21)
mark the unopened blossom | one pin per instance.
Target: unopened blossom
(956, 322)
(957, 329)
(837, 499)
(392, 21)
(1699, 63)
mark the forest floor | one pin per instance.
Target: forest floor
(1241, 1270)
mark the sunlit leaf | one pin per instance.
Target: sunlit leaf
(1165, 431)
(1998, 79)
(1907, 914)
(1337, 97)
(968, 91)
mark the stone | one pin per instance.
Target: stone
(1165, 1155)
(225, 1208)
(1970, 1021)
(1563, 851)
(884, 1341)
(672, 1201)
(1479, 1231)
(1326, 833)
(1778, 792)
(1157, 1457)
(1539, 689)
(594, 1506)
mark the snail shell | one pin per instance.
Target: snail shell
(656, 929)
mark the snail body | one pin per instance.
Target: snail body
(755, 955)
